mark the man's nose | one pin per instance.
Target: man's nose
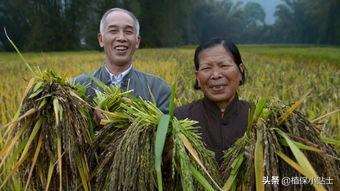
(121, 36)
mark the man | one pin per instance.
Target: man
(119, 36)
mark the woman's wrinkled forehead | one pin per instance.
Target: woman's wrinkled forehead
(212, 46)
(217, 53)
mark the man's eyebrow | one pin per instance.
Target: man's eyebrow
(116, 26)
(112, 26)
(128, 27)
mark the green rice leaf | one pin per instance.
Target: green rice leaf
(16, 152)
(302, 160)
(34, 160)
(162, 130)
(11, 160)
(72, 93)
(30, 139)
(233, 174)
(49, 175)
(259, 108)
(42, 103)
(255, 112)
(37, 86)
(6, 150)
(193, 153)
(331, 141)
(292, 163)
(98, 82)
(60, 167)
(201, 179)
(259, 162)
(83, 172)
(35, 93)
(301, 146)
(17, 50)
(28, 113)
(57, 110)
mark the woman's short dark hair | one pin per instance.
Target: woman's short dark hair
(228, 46)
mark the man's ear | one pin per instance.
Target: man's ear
(138, 41)
(100, 40)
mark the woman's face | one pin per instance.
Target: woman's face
(218, 75)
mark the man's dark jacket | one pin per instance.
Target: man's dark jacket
(144, 85)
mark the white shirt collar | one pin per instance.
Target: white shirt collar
(117, 79)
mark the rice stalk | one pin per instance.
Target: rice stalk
(184, 158)
(292, 147)
(125, 144)
(51, 132)
(127, 160)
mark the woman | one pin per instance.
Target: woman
(221, 115)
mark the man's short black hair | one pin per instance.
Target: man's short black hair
(228, 46)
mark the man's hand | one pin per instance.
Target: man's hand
(97, 116)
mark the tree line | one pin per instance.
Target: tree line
(56, 25)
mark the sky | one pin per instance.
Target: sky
(269, 8)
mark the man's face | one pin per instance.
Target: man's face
(119, 38)
(218, 75)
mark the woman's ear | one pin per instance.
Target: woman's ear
(197, 83)
(241, 67)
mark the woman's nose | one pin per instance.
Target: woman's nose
(216, 74)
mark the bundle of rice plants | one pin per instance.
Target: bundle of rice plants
(132, 142)
(280, 143)
(47, 143)
(193, 166)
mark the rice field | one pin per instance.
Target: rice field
(284, 72)
(57, 132)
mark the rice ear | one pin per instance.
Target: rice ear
(290, 110)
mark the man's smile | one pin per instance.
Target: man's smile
(121, 48)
